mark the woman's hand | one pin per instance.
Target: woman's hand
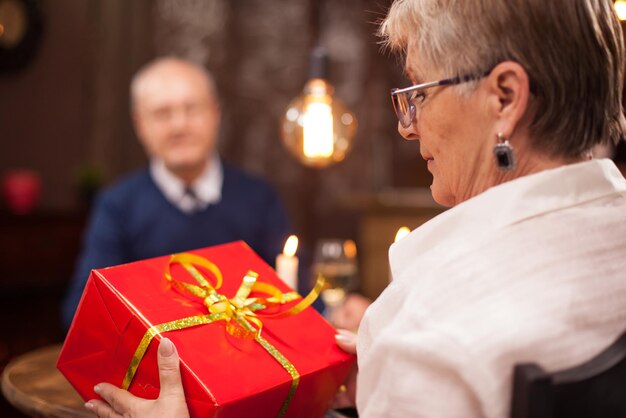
(346, 397)
(348, 316)
(171, 400)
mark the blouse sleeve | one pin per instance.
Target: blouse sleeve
(418, 373)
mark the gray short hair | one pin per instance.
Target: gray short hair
(154, 65)
(572, 50)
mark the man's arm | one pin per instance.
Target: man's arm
(103, 246)
(275, 227)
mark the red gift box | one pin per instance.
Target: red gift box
(224, 373)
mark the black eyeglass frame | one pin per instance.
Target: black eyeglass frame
(406, 117)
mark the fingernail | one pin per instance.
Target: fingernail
(89, 405)
(166, 348)
(96, 388)
(342, 337)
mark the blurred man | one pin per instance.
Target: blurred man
(188, 198)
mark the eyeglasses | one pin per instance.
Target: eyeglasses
(405, 100)
(192, 109)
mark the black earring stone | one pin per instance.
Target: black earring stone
(505, 158)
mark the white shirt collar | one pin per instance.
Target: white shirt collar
(207, 188)
(512, 202)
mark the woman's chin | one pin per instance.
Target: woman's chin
(442, 197)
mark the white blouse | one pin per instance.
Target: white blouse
(532, 270)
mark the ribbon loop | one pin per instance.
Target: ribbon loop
(244, 290)
(241, 306)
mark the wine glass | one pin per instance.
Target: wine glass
(335, 260)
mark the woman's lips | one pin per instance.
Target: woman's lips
(429, 160)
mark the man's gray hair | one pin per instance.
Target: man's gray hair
(167, 61)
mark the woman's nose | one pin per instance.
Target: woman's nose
(409, 133)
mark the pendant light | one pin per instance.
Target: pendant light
(317, 128)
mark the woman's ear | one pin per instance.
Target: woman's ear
(509, 88)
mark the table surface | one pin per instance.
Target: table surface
(32, 384)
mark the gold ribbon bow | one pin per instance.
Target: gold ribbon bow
(239, 313)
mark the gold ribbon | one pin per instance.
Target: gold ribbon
(239, 312)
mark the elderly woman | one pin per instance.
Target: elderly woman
(508, 98)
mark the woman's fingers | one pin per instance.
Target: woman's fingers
(346, 340)
(118, 399)
(120, 403)
(169, 370)
(101, 409)
(347, 393)
(350, 313)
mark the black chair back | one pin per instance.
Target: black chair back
(593, 389)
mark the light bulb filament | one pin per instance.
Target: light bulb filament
(318, 130)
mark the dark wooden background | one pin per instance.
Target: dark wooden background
(69, 109)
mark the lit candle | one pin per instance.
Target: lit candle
(287, 263)
(402, 232)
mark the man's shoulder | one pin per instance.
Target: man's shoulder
(129, 187)
(239, 180)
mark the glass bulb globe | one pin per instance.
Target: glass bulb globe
(317, 128)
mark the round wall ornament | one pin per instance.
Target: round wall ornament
(20, 32)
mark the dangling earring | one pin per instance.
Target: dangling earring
(503, 151)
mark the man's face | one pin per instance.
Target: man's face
(176, 117)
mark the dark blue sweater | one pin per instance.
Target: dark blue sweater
(132, 220)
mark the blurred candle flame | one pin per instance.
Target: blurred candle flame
(291, 246)
(402, 232)
(349, 248)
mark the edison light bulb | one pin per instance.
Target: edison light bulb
(317, 128)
